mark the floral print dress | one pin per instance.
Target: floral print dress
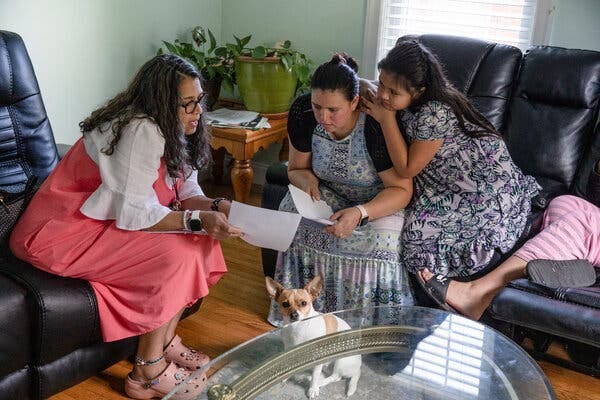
(468, 201)
(363, 269)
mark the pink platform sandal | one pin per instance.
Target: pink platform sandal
(165, 382)
(183, 356)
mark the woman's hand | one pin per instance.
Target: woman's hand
(215, 224)
(346, 221)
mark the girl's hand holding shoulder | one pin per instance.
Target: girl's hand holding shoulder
(373, 107)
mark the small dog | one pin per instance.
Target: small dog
(296, 305)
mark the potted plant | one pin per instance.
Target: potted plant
(216, 64)
(269, 77)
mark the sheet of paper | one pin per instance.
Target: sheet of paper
(318, 211)
(262, 227)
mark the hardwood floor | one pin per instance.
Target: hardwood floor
(235, 311)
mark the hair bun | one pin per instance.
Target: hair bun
(345, 58)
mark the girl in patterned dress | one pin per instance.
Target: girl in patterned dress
(470, 200)
(131, 176)
(331, 159)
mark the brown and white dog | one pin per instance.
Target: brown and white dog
(297, 305)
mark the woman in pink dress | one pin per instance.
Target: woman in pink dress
(121, 210)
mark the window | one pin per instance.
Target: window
(520, 23)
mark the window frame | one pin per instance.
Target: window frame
(542, 29)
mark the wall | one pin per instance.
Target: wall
(576, 24)
(85, 51)
(318, 28)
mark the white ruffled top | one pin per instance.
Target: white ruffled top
(126, 193)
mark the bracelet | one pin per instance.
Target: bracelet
(187, 214)
(215, 203)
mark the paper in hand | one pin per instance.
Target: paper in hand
(318, 210)
(262, 227)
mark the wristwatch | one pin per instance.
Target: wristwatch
(195, 221)
(364, 217)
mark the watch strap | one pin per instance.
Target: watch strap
(215, 203)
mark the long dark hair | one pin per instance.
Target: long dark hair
(414, 66)
(339, 73)
(154, 93)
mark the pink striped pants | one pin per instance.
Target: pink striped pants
(570, 230)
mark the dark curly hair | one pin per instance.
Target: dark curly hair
(414, 66)
(153, 93)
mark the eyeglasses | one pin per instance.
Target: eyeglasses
(190, 106)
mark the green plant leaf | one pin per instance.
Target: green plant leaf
(259, 52)
(213, 42)
(286, 60)
(287, 44)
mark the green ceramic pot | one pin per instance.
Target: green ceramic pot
(265, 85)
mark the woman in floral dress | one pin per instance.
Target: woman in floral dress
(331, 159)
(470, 201)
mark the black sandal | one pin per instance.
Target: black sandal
(557, 273)
(436, 288)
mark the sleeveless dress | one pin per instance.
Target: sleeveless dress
(470, 200)
(363, 269)
(141, 279)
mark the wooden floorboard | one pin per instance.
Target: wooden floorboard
(236, 311)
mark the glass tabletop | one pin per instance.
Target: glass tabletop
(400, 353)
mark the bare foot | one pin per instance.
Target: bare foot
(468, 298)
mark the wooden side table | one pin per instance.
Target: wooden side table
(243, 144)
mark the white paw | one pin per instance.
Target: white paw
(313, 392)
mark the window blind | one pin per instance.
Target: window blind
(504, 21)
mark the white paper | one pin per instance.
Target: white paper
(318, 211)
(262, 227)
(227, 116)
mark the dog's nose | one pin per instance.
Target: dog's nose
(294, 316)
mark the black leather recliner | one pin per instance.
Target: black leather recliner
(49, 328)
(545, 102)
(50, 336)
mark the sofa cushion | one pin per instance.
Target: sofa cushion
(63, 311)
(482, 70)
(552, 115)
(26, 141)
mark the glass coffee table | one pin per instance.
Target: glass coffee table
(407, 353)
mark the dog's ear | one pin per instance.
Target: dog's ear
(273, 288)
(314, 286)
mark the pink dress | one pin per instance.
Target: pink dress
(141, 279)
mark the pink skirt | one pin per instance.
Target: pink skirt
(141, 279)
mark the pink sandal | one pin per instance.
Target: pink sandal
(183, 356)
(165, 382)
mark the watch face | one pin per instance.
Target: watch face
(196, 224)
(363, 221)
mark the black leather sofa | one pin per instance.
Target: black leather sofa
(50, 336)
(545, 102)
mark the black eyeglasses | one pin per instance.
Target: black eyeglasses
(191, 105)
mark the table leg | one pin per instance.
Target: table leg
(242, 175)
(285, 150)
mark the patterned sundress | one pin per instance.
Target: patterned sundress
(468, 201)
(363, 269)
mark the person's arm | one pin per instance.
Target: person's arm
(213, 222)
(395, 196)
(408, 161)
(300, 172)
